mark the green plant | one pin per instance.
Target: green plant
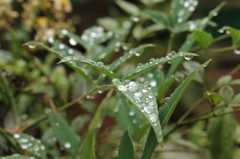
(139, 97)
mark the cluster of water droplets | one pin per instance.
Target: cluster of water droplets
(29, 143)
(142, 96)
(16, 155)
(190, 5)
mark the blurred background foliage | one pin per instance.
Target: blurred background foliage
(32, 71)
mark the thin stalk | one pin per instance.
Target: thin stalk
(5, 135)
(222, 49)
(9, 92)
(235, 70)
(221, 37)
(170, 42)
(208, 116)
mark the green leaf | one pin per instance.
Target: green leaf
(59, 54)
(224, 80)
(96, 65)
(30, 144)
(213, 98)
(65, 135)
(203, 38)
(190, 39)
(187, 26)
(155, 62)
(221, 136)
(128, 117)
(157, 16)
(126, 150)
(235, 82)
(167, 110)
(227, 93)
(167, 84)
(138, 135)
(190, 66)
(235, 102)
(108, 23)
(128, 7)
(90, 38)
(17, 156)
(113, 66)
(88, 147)
(235, 34)
(144, 99)
(182, 10)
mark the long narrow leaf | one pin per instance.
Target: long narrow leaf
(126, 150)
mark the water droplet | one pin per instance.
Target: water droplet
(179, 20)
(186, 4)
(80, 63)
(110, 33)
(93, 34)
(181, 13)
(50, 39)
(131, 113)
(134, 121)
(67, 145)
(153, 83)
(24, 140)
(149, 109)
(138, 95)
(151, 96)
(188, 57)
(150, 75)
(64, 31)
(16, 136)
(139, 65)
(124, 47)
(153, 117)
(116, 81)
(31, 46)
(72, 42)
(137, 54)
(36, 148)
(133, 86)
(122, 88)
(135, 19)
(191, 8)
(24, 146)
(237, 52)
(61, 46)
(165, 100)
(57, 124)
(100, 64)
(117, 44)
(144, 91)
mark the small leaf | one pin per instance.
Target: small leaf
(30, 144)
(224, 80)
(221, 136)
(108, 23)
(88, 148)
(227, 93)
(97, 65)
(182, 10)
(126, 150)
(235, 102)
(18, 156)
(235, 34)
(128, 7)
(213, 98)
(65, 135)
(157, 16)
(186, 26)
(203, 38)
(155, 62)
(235, 82)
(59, 54)
(144, 99)
(190, 66)
(138, 135)
(165, 87)
(128, 117)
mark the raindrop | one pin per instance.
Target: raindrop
(61, 46)
(191, 8)
(179, 20)
(116, 81)
(50, 39)
(64, 31)
(237, 52)
(138, 95)
(36, 148)
(31, 46)
(131, 113)
(139, 65)
(84, 37)
(93, 34)
(188, 57)
(24, 140)
(135, 19)
(57, 124)
(186, 4)
(144, 91)
(151, 96)
(16, 136)
(153, 83)
(67, 145)
(134, 121)
(80, 63)
(117, 44)
(24, 146)
(124, 47)
(137, 54)
(149, 109)
(100, 64)
(153, 117)
(110, 33)
(150, 75)
(122, 88)
(165, 100)
(181, 13)
(70, 51)
(133, 86)
(72, 42)
(99, 91)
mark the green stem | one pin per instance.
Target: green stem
(235, 70)
(221, 49)
(6, 136)
(11, 98)
(208, 116)
(221, 37)
(170, 42)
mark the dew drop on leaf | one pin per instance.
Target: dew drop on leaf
(188, 57)
(237, 52)
(67, 145)
(72, 42)
(133, 86)
(131, 113)
(122, 88)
